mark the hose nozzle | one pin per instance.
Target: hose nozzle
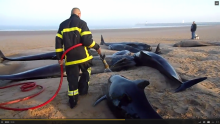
(105, 63)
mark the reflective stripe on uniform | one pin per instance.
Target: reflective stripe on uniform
(85, 33)
(78, 61)
(59, 50)
(89, 71)
(87, 53)
(64, 49)
(73, 93)
(71, 29)
(59, 35)
(92, 45)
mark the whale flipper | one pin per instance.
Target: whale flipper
(99, 100)
(142, 83)
(189, 83)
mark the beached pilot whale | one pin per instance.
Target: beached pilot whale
(53, 71)
(42, 56)
(145, 58)
(126, 61)
(133, 47)
(49, 71)
(126, 99)
(196, 43)
(121, 60)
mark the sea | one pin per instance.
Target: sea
(98, 27)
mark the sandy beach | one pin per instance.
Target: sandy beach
(200, 101)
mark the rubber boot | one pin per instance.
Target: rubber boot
(83, 91)
(73, 101)
(83, 85)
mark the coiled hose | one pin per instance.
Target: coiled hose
(27, 86)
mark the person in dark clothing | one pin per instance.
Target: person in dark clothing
(193, 29)
(71, 32)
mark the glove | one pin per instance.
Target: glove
(99, 51)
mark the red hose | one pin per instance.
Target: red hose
(31, 85)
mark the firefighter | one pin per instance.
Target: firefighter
(73, 31)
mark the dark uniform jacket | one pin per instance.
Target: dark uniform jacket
(71, 32)
(193, 27)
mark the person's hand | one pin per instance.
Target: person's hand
(99, 51)
(60, 62)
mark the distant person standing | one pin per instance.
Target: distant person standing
(193, 29)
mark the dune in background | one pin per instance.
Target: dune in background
(200, 101)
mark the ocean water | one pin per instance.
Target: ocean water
(93, 27)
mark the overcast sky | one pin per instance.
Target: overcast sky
(107, 12)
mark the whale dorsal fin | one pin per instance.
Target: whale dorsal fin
(142, 83)
(102, 41)
(158, 50)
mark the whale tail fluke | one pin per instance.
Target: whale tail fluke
(158, 50)
(99, 100)
(189, 83)
(2, 56)
(102, 41)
